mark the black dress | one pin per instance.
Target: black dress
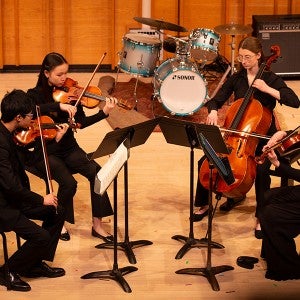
(237, 84)
(69, 158)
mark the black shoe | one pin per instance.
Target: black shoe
(246, 261)
(65, 236)
(106, 239)
(230, 203)
(43, 270)
(199, 217)
(15, 282)
(258, 234)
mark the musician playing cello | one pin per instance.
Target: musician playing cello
(280, 221)
(269, 90)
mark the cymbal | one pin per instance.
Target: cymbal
(159, 24)
(233, 29)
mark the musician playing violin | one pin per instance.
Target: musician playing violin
(269, 90)
(280, 220)
(19, 204)
(70, 158)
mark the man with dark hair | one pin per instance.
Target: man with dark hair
(18, 204)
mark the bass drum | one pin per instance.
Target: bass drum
(179, 86)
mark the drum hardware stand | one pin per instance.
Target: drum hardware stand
(209, 272)
(140, 65)
(232, 44)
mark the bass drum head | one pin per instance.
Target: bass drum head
(182, 90)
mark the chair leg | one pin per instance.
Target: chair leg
(5, 254)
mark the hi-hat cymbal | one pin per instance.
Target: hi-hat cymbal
(233, 29)
(159, 24)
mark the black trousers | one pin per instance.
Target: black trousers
(40, 241)
(280, 222)
(62, 168)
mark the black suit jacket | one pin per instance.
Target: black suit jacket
(15, 193)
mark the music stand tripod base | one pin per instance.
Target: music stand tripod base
(127, 247)
(191, 242)
(209, 273)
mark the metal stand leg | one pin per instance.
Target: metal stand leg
(189, 242)
(116, 273)
(209, 272)
(232, 53)
(126, 246)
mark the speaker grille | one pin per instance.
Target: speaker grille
(284, 31)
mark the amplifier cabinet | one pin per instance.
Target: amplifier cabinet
(284, 31)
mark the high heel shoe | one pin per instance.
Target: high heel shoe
(106, 239)
(65, 236)
(199, 217)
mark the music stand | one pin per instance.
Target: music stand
(226, 173)
(183, 133)
(116, 273)
(138, 135)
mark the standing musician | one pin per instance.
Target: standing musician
(269, 90)
(280, 221)
(69, 158)
(18, 204)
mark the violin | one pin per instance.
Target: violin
(246, 115)
(70, 92)
(285, 147)
(26, 136)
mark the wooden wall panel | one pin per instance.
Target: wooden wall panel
(123, 22)
(84, 30)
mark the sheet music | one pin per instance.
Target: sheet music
(111, 168)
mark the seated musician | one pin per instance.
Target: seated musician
(280, 221)
(18, 204)
(269, 90)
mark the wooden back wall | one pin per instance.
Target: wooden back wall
(83, 30)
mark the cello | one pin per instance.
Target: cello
(246, 115)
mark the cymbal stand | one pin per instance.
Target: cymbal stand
(232, 44)
(209, 272)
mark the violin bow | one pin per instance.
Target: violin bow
(89, 81)
(47, 167)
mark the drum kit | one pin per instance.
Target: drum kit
(178, 83)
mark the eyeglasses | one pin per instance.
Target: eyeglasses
(29, 115)
(240, 58)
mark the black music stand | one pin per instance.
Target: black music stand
(116, 273)
(183, 133)
(225, 172)
(138, 135)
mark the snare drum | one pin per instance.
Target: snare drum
(179, 86)
(140, 54)
(204, 44)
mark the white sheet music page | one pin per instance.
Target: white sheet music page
(110, 169)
